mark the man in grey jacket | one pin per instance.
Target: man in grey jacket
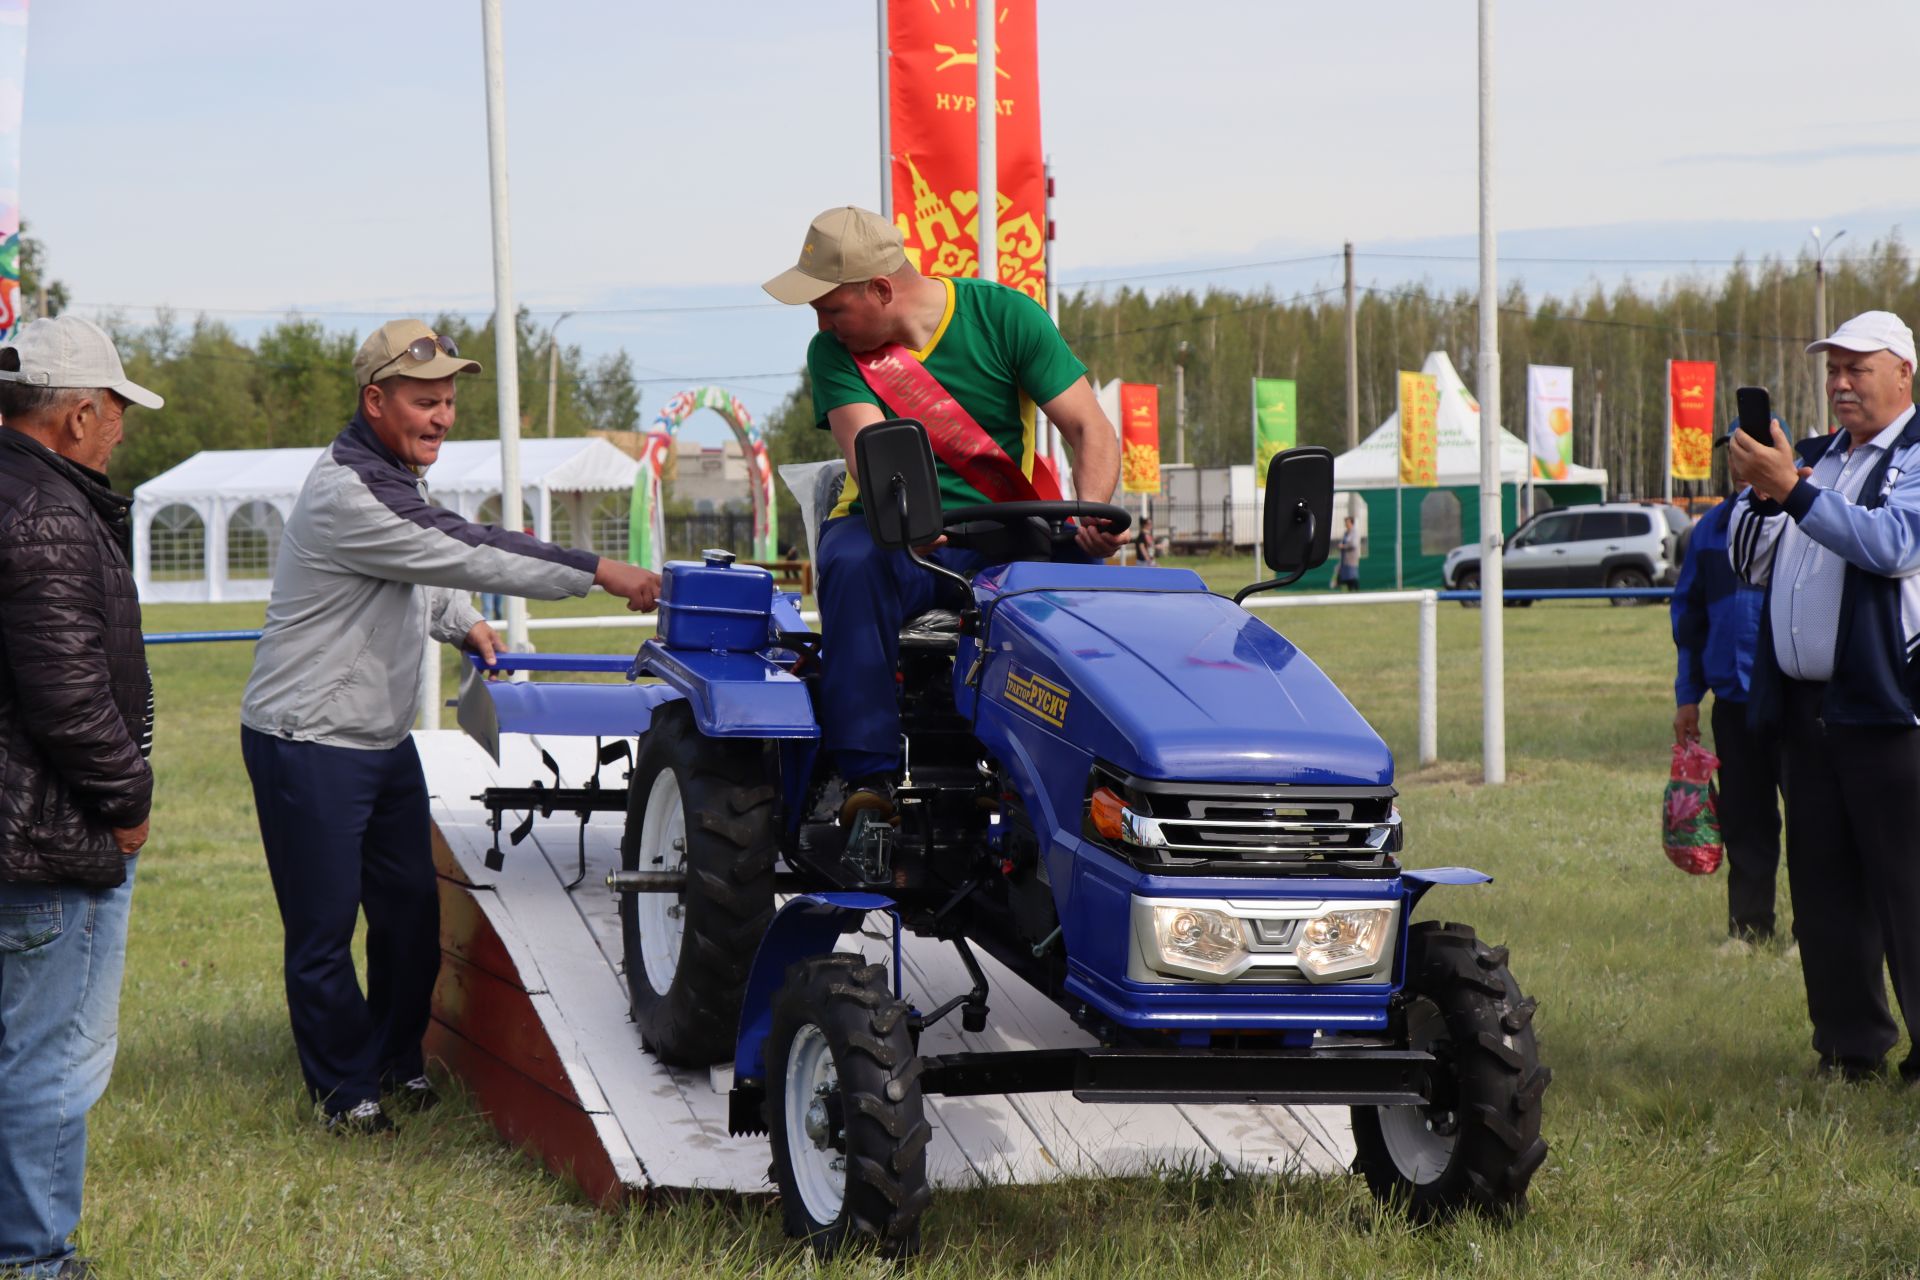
(368, 568)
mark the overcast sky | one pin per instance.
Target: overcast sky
(244, 158)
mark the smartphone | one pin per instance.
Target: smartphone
(1756, 413)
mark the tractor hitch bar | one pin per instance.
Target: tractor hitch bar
(676, 882)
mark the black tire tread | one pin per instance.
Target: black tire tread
(731, 845)
(886, 1135)
(1498, 1076)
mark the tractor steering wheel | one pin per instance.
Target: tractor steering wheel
(958, 522)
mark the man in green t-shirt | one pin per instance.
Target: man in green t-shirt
(997, 354)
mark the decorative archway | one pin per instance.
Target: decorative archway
(646, 530)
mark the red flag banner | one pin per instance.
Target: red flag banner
(933, 69)
(1690, 384)
(1139, 437)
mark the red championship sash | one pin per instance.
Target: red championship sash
(960, 442)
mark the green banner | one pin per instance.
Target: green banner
(1275, 424)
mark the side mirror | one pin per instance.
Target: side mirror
(899, 490)
(1299, 518)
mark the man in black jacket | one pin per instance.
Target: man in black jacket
(76, 719)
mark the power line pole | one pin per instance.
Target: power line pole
(1180, 355)
(553, 371)
(1353, 358)
(1820, 329)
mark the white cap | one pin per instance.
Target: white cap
(67, 351)
(1871, 331)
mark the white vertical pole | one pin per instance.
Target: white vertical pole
(1429, 677)
(986, 108)
(1398, 538)
(1493, 677)
(506, 345)
(1259, 494)
(1666, 438)
(886, 117)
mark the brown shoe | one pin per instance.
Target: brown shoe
(873, 795)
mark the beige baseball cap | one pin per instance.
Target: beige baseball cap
(408, 349)
(66, 351)
(843, 246)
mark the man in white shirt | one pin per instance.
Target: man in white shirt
(1834, 536)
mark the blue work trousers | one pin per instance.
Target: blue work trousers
(63, 949)
(346, 830)
(866, 594)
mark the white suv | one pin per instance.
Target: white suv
(1608, 544)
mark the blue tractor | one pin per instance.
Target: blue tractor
(1127, 790)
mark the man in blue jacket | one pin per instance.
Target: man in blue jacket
(1716, 624)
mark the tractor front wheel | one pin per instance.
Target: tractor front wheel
(703, 806)
(1477, 1144)
(844, 1110)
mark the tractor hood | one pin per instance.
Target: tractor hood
(1148, 671)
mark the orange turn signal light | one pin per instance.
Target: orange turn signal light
(1107, 811)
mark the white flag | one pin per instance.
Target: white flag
(1550, 419)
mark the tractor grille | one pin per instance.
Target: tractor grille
(1195, 828)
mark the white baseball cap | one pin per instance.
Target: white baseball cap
(1871, 331)
(66, 351)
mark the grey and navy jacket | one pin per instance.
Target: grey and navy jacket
(368, 569)
(1876, 659)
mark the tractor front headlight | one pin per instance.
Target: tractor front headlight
(1343, 942)
(1198, 939)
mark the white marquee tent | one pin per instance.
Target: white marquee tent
(209, 529)
(1375, 462)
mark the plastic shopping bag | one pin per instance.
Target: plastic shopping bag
(1690, 813)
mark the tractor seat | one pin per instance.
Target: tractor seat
(935, 631)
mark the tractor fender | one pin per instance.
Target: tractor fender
(1419, 881)
(808, 925)
(733, 695)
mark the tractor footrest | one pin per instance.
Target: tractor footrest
(1342, 1077)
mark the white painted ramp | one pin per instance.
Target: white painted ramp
(667, 1128)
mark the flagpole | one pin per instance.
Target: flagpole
(1666, 449)
(1398, 535)
(1259, 493)
(986, 99)
(1493, 678)
(506, 346)
(886, 117)
(1532, 466)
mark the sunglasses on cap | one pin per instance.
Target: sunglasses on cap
(421, 349)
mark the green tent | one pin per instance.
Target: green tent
(1432, 521)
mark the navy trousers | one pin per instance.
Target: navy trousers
(346, 830)
(866, 594)
(1749, 816)
(1853, 805)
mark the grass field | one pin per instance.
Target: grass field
(1689, 1137)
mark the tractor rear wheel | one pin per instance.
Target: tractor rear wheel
(844, 1110)
(1477, 1144)
(703, 806)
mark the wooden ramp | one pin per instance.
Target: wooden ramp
(531, 1012)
